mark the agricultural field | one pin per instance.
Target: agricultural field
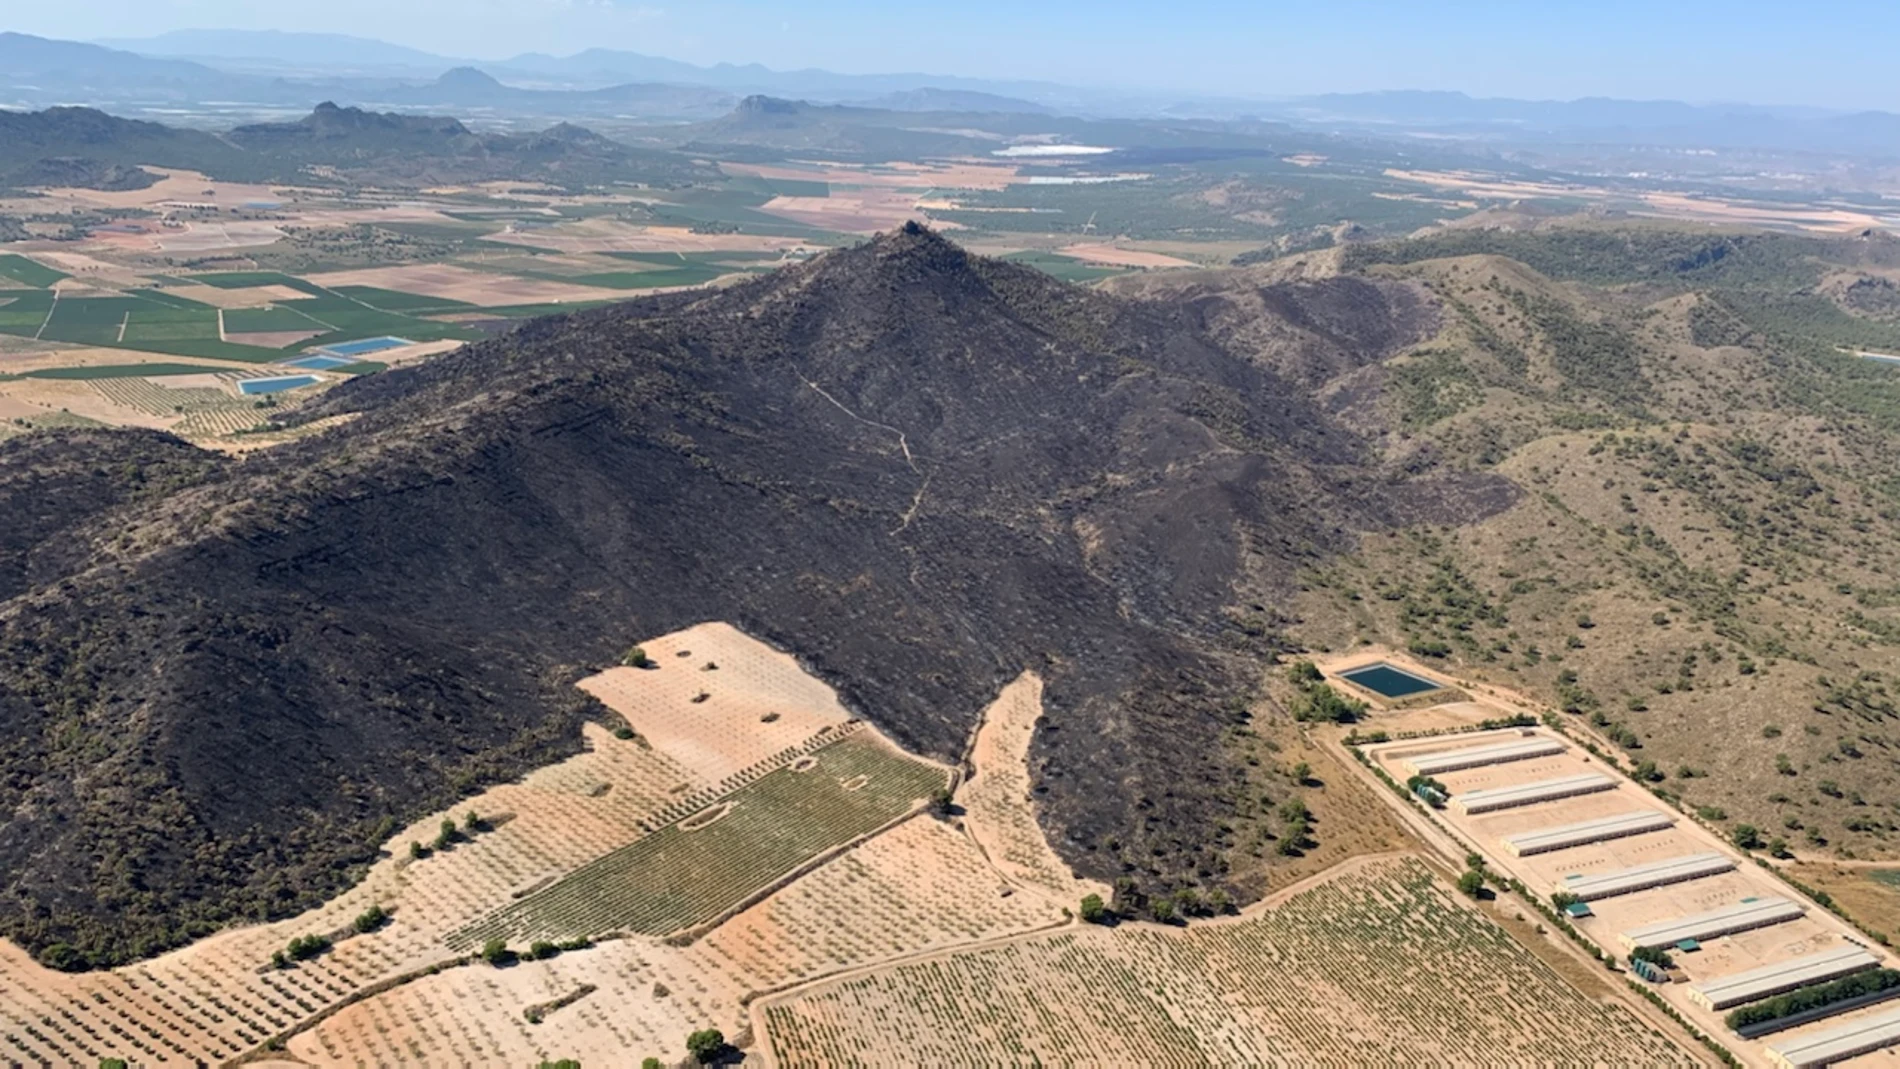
(1374, 964)
(697, 868)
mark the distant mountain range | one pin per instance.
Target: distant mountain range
(1601, 119)
(263, 70)
(86, 147)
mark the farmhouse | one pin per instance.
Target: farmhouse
(1838, 1044)
(1742, 917)
(1435, 764)
(1769, 980)
(1545, 790)
(1644, 877)
(1544, 840)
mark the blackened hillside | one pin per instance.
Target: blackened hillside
(921, 471)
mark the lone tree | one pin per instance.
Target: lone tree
(637, 658)
(942, 802)
(495, 952)
(706, 1045)
(1093, 911)
(1471, 882)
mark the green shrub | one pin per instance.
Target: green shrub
(1093, 911)
(706, 1045)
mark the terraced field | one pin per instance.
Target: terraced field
(1375, 966)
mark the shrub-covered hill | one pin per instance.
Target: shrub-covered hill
(921, 471)
(1702, 569)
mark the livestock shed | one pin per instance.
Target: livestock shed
(1590, 888)
(1771, 980)
(1543, 790)
(1442, 761)
(1742, 917)
(1562, 837)
(1838, 1044)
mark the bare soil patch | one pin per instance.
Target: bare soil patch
(250, 297)
(1000, 812)
(464, 284)
(272, 339)
(607, 235)
(1119, 257)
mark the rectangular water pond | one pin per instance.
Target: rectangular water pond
(1388, 682)
(276, 384)
(320, 362)
(366, 345)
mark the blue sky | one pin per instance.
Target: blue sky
(1836, 54)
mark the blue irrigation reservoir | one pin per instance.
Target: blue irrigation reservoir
(1388, 682)
(276, 384)
(367, 345)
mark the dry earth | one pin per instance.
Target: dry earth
(465, 284)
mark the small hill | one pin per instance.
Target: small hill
(87, 147)
(423, 149)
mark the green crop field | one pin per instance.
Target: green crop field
(132, 321)
(397, 301)
(22, 311)
(28, 272)
(170, 300)
(673, 879)
(1374, 967)
(243, 280)
(121, 371)
(1066, 268)
(275, 318)
(781, 187)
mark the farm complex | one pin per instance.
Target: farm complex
(1744, 957)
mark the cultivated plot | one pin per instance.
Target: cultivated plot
(1374, 965)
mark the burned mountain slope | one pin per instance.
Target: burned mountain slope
(921, 471)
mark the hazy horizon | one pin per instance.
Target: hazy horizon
(1699, 52)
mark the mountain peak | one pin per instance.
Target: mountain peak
(467, 78)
